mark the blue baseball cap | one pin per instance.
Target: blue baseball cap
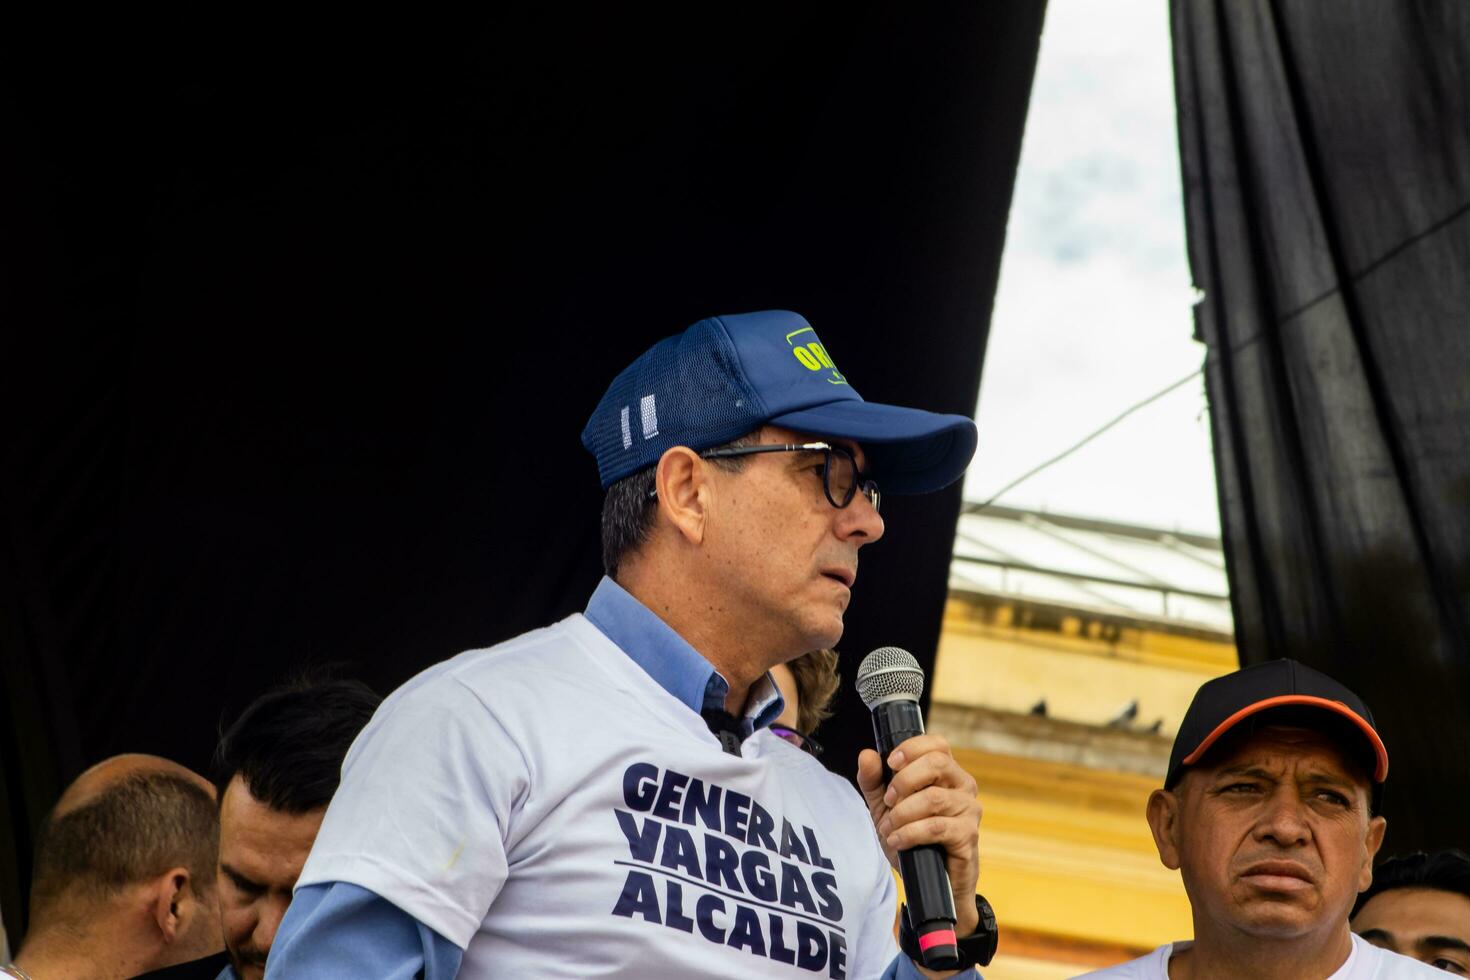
(726, 376)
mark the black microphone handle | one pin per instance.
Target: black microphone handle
(926, 886)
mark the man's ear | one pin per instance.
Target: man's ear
(1377, 826)
(1164, 821)
(172, 904)
(683, 492)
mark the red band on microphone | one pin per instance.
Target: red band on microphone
(939, 937)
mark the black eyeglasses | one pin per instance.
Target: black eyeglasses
(841, 480)
(804, 742)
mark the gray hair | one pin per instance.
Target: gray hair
(629, 506)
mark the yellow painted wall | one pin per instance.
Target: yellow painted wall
(985, 660)
(1066, 855)
(1066, 850)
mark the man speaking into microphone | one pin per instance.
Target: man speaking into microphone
(602, 797)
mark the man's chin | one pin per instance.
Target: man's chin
(827, 637)
(1280, 919)
(816, 628)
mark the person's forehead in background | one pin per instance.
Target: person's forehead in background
(1281, 750)
(1429, 924)
(109, 772)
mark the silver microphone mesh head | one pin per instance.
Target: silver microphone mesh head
(889, 672)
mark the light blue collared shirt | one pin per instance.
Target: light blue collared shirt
(340, 931)
(669, 659)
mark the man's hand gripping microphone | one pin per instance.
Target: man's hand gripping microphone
(890, 681)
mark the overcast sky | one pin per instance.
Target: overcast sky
(1093, 309)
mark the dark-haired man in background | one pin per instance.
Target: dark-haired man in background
(277, 768)
(1268, 813)
(124, 874)
(1419, 905)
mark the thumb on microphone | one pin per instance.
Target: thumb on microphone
(871, 785)
(870, 777)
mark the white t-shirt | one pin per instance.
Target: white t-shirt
(549, 808)
(1365, 962)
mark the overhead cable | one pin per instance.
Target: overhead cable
(1072, 449)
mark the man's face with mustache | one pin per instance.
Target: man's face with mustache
(261, 853)
(1271, 833)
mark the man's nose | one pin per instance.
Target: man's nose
(860, 521)
(271, 915)
(1284, 819)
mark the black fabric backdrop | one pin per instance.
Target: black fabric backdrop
(302, 321)
(1326, 159)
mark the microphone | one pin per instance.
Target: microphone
(889, 681)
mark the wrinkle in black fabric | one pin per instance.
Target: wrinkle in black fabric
(1325, 164)
(307, 317)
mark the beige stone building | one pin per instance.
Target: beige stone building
(1070, 651)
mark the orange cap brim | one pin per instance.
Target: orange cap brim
(1380, 769)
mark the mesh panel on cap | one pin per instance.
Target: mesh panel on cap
(698, 399)
(888, 671)
(706, 389)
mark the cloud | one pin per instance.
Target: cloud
(1093, 309)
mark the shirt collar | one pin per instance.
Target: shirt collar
(675, 665)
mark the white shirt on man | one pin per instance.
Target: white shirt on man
(1365, 962)
(552, 810)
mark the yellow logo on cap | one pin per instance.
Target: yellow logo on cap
(814, 357)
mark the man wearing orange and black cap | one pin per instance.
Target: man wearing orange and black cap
(1268, 813)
